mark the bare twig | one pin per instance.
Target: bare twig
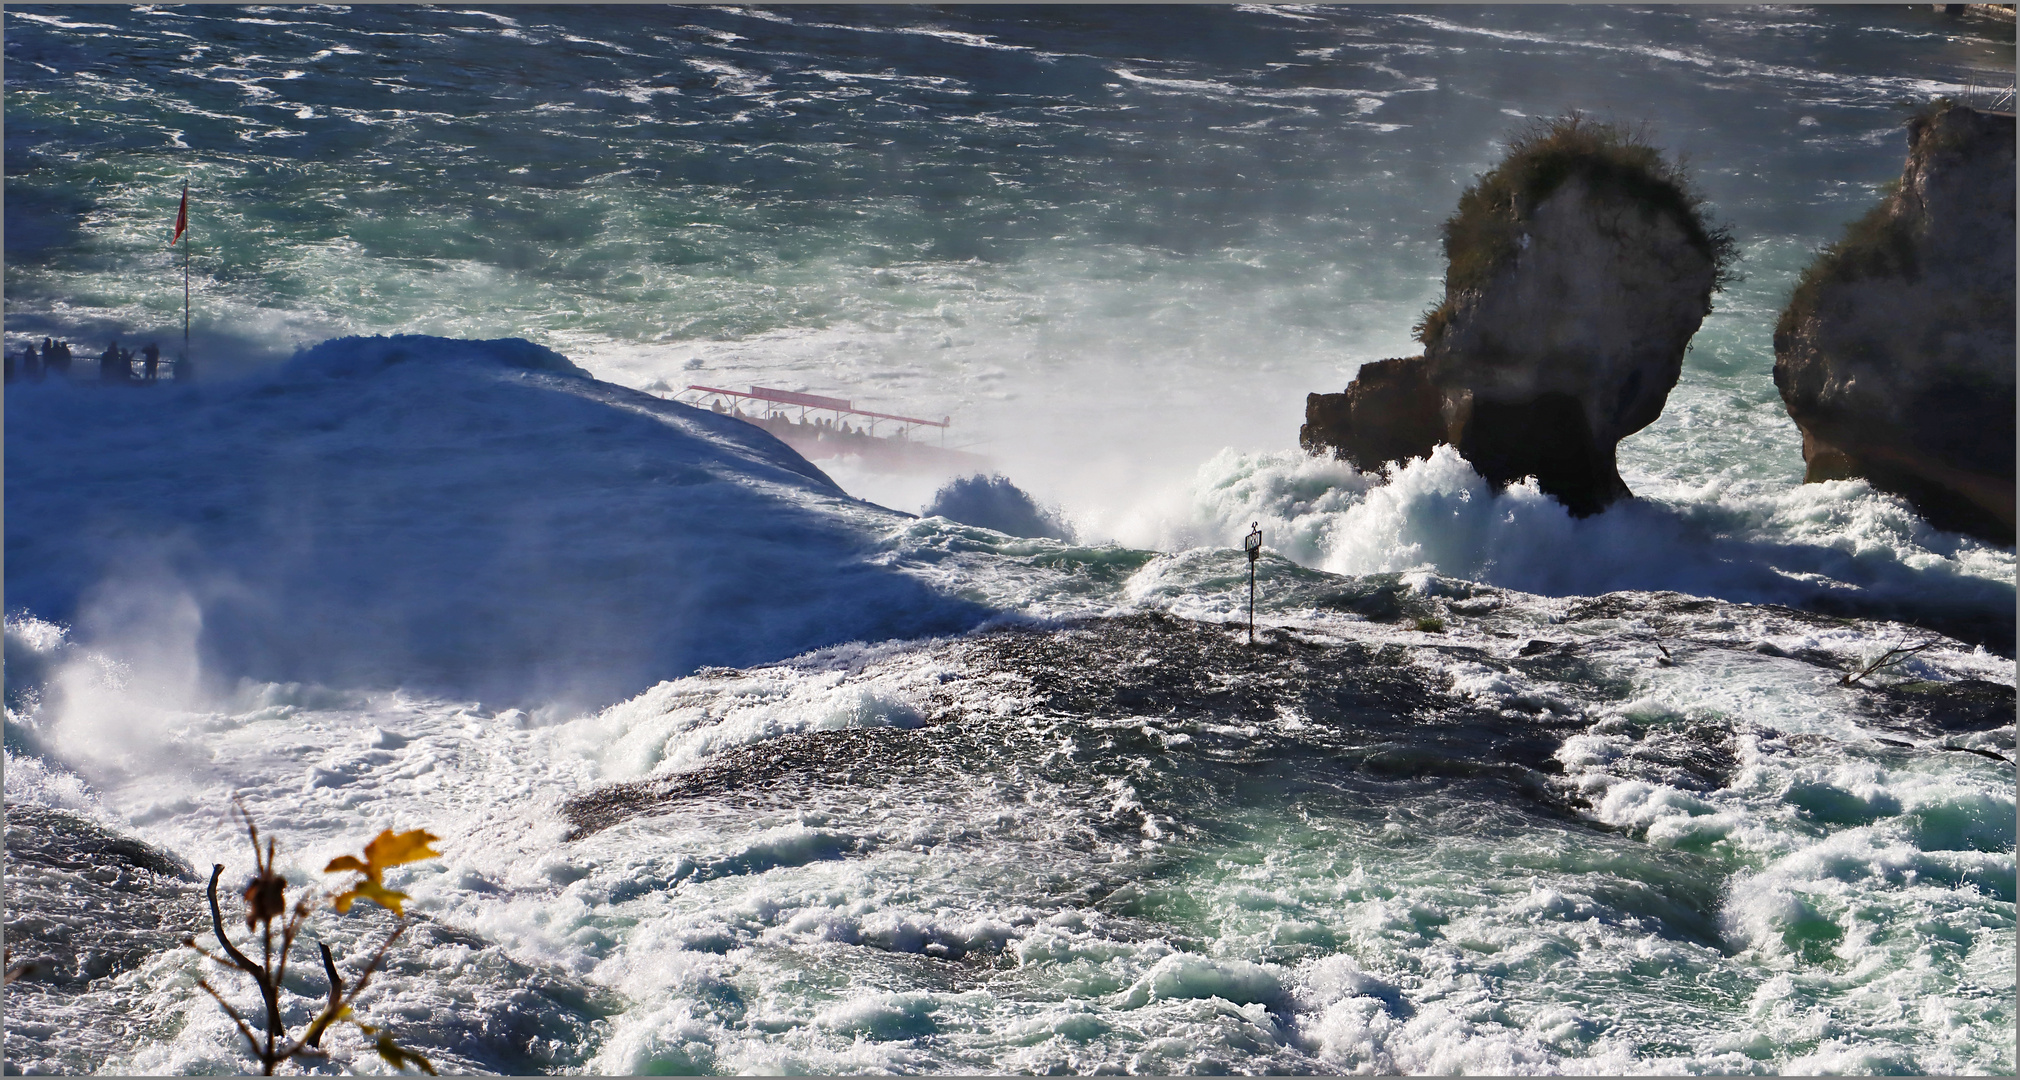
(266, 904)
(244, 1028)
(1888, 659)
(14, 970)
(330, 1013)
(269, 989)
(1994, 755)
(217, 925)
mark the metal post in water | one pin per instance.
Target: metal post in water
(1253, 544)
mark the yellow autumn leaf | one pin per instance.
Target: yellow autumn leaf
(388, 849)
(399, 1057)
(392, 849)
(369, 890)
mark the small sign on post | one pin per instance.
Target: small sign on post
(1253, 544)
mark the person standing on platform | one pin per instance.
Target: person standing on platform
(151, 360)
(112, 366)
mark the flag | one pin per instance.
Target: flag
(182, 214)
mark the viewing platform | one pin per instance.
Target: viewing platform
(827, 428)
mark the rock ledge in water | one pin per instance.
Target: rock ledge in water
(1389, 413)
(1895, 353)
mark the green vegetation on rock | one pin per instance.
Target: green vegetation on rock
(1484, 233)
(1878, 245)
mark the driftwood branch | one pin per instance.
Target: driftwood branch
(1994, 755)
(14, 970)
(1887, 659)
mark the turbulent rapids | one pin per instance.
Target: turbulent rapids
(741, 762)
(1081, 830)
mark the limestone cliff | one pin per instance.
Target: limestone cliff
(1576, 272)
(1553, 348)
(1895, 355)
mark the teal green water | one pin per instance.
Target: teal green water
(1118, 246)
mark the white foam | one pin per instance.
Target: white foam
(1776, 545)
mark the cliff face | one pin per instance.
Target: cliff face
(1895, 355)
(1574, 344)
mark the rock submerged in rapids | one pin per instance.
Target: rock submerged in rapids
(1577, 271)
(1895, 355)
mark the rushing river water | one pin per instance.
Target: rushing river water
(1496, 791)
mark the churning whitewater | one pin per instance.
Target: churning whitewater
(741, 763)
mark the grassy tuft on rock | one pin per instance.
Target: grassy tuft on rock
(1877, 245)
(1483, 235)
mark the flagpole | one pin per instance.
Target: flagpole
(182, 226)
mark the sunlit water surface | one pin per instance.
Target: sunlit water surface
(1459, 819)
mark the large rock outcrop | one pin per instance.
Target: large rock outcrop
(1895, 355)
(1577, 271)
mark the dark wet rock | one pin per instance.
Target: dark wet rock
(60, 839)
(1388, 414)
(111, 901)
(1691, 757)
(88, 906)
(1933, 709)
(1379, 598)
(84, 906)
(844, 757)
(1572, 341)
(1669, 612)
(1115, 686)
(1895, 355)
(487, 1011)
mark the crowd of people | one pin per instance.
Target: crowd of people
(115, 364)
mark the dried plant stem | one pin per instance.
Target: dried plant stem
(276, 1047)
(1891, 657)
(269, 991)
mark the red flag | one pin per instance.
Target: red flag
(181, 215)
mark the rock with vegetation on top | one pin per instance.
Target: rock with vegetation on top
(1895, 355)
(1577, 271)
